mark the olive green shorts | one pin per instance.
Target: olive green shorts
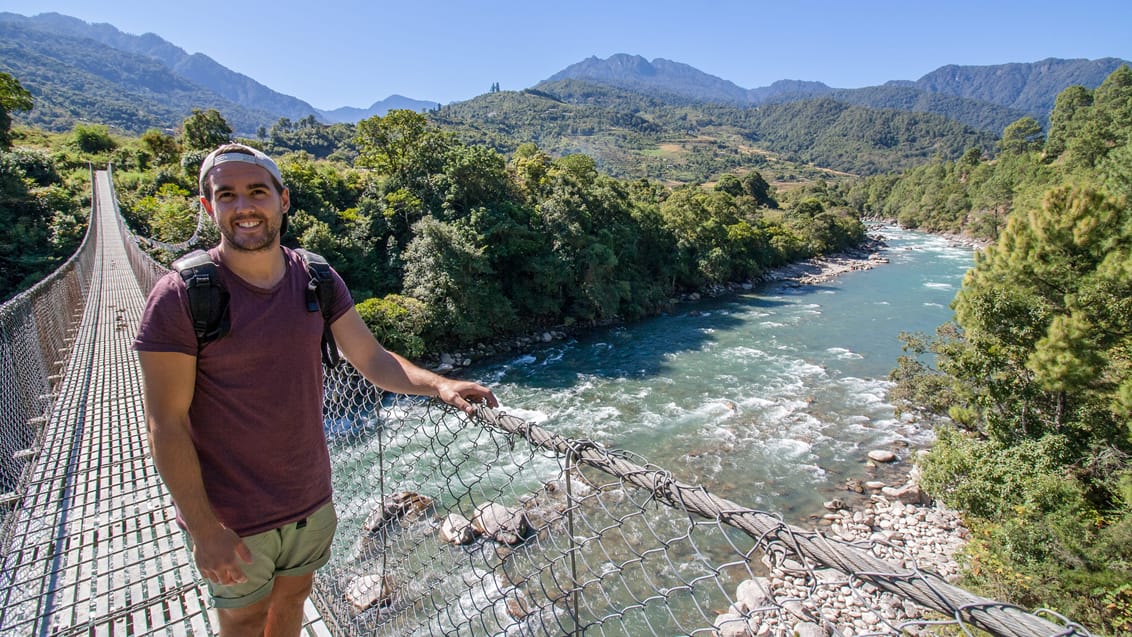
(297, 548)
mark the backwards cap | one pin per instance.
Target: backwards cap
(238, 152)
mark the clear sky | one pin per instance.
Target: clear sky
(353, 53)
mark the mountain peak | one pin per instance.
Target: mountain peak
(660, 76)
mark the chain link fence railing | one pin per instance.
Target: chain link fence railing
(491, 525)
(37, 329)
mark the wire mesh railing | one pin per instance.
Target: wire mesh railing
(491, 525)
(36, 332)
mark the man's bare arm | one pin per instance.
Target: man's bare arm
(394, 373)
(170, 381)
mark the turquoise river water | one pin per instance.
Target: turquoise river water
(770, 398)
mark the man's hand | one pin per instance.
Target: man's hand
(218, 556)
(462, 394)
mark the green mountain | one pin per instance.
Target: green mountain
(1029, 87)
(633, 134)
(196, 68)
(78, 79)
(983, 97)
(205, 72)
(669, 80)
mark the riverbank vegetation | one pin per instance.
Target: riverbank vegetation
(448, 244)
(1032, 383)
(41, 208)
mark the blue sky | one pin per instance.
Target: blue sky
(356, 52)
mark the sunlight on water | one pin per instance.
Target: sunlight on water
(771, 398)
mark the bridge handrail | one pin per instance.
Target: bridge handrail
(36, 331)
(146, 269)
(768, 530)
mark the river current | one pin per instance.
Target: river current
(770, 398)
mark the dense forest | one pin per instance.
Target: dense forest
(41, 210)
(446, 243)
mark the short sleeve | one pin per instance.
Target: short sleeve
(343, 300)
(165, 323)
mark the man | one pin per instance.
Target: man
(235, 424)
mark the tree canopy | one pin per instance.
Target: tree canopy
(13, 97)
(1034, 377)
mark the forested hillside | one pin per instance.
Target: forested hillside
(78, 80)
(1032, 384)
(636, 135)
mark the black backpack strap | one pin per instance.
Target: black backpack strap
(320, 295)
(208, 300)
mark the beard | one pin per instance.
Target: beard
(251, 243)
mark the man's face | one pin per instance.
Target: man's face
(245, 206)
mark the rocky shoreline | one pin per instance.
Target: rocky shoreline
(897, 524)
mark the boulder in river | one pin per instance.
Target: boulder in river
(882, 455)
(366, 591)
(457, 529)
(403, 506)
(407, 505)
(503, 524)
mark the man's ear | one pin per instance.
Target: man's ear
(285, 198)
(207, 205)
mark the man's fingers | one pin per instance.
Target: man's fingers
(244, 552)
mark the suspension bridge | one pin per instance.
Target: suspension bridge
(453, 525)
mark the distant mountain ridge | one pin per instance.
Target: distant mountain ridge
(975, 95)
(252, 103)
(349, 114)
(665, 77)
(197, 68)
(75, 79)
(1029, 87)
(79, 73)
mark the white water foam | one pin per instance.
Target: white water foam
(844, 354)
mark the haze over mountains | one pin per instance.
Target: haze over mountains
(76, 70)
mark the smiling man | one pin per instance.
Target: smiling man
(235, 423)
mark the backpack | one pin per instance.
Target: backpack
(208, 299)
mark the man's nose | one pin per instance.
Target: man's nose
(243, 202)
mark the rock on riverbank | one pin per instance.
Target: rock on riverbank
(801, 599)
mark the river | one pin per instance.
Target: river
(770, 398)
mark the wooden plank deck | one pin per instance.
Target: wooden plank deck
(101, 553)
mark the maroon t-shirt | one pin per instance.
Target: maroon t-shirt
(256, 415)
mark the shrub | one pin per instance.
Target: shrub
(397, 321)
